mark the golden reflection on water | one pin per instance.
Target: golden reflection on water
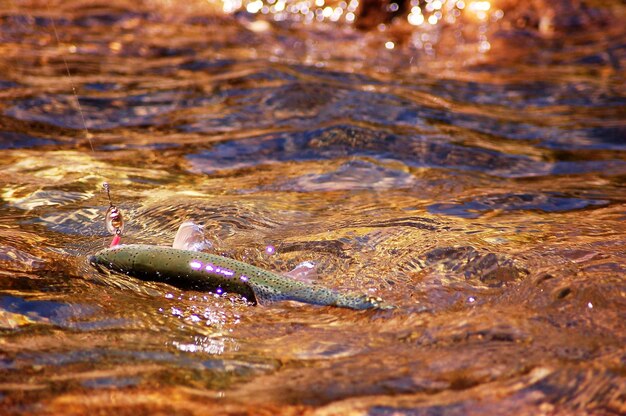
(481, 193)
(422, 12)
(425, 18)
(307, 10)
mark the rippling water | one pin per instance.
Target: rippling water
(472, 174)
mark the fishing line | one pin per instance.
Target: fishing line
(69, 76)
(113, 218)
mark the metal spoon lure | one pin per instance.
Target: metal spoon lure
(113, 219)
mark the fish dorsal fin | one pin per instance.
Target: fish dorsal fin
(190, 237)
(305, 272)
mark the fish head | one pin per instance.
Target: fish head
(119, 258)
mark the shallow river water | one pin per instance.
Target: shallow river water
(472, 174)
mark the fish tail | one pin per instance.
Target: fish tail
(359, 302)
(316, 295)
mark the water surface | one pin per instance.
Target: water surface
(477, 186)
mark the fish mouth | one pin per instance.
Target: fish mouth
(93, 261)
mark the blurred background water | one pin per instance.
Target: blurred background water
(464, 160)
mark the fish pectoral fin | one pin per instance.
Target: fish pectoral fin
(190, 237)
(305, 272)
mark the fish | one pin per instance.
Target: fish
(195, 270)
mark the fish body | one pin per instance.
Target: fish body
(188, 269)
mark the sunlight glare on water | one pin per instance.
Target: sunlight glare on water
(464, 160)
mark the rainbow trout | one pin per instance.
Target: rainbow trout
(187, 269)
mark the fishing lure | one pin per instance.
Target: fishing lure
(113, 218)
(190, 269)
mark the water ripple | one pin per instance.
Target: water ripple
(548, 202)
